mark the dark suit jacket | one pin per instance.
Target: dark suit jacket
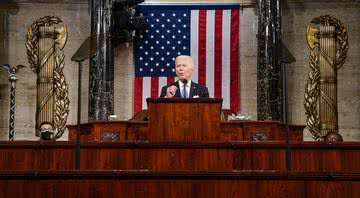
(195, 90)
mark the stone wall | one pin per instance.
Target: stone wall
(17, 16)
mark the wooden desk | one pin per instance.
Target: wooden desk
(180, 119)
(228, 131)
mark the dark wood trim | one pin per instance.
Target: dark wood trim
(179, 144)
(208, 175)
(37, 144)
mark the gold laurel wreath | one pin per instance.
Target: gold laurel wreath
(342, 37)
(60, 86)
(312, 90)
(311, 97)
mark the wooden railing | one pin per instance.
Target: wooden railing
(195, 156)
(177, 184)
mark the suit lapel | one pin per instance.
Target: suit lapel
(193, 90)
(177, 94)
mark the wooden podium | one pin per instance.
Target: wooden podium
(184, 120)
(179, 119)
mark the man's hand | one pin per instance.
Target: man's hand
(170, 92)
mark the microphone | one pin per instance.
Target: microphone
(184, 81)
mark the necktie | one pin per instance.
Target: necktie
(185, 95)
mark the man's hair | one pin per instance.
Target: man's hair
(187, 57)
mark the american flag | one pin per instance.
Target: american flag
(208, 33)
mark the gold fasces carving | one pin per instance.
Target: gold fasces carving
(328, 41)
(32, 38)
(45, 41)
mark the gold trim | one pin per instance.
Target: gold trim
(329, 126)
(328, 80)
(312, 41)
(44, 80)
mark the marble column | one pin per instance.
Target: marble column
(5, 33)
(4, 89)
(101, 82)
(269, 91)
(4, 39)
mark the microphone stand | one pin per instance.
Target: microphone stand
(285, 58)
(77, 163)
(86, 51)
(285, 116)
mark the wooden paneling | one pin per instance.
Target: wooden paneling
(246, 130)
(231, 132)
(37, 155)
(137, 131)
(183, 156)
(201, 156)
(87, 131)
(118, 183)
(335, 157)
(100, 130)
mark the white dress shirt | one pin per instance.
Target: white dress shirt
(181, 86)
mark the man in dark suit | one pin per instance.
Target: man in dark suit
(184, 87)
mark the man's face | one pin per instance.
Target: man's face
(184, 67)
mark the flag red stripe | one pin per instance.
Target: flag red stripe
(218, 54)
(138, 89)
(234, 58)
(170, 80)
(154, 87)
(202, 48)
